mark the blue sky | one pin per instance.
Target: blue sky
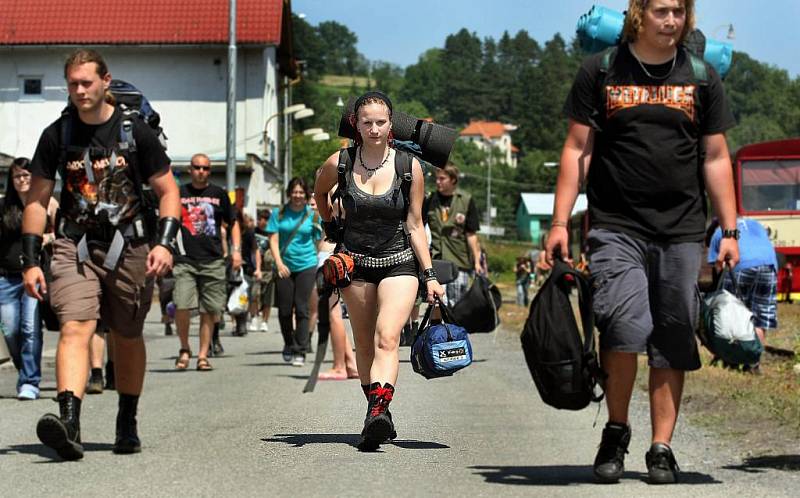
(399, 32)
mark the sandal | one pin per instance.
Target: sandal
(203, 365)
(181, 362)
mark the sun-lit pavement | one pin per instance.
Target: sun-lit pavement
(245, 429)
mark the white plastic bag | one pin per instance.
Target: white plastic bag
(238, 302)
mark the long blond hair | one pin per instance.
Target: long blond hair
(635, 16)
(85, 56)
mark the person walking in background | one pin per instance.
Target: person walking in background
(293, 233)
(200, 280)
(523, 280)
(452, 217)
(385, 236)
(102, 252)
(650, 118)
(19, 312)
(755, 279)
(266, 285)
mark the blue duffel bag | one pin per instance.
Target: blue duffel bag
(442, 349)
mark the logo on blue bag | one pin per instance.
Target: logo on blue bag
(454, 354)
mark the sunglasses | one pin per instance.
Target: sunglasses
(201, 168)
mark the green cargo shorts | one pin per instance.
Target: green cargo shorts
(200, 285)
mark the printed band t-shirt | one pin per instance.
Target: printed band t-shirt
(202, 212)
(113, 195)
(645, 177)
(301, 252)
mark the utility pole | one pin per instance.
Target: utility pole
(230, 147)
(489, 192)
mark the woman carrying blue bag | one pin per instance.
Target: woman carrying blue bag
(383, 243)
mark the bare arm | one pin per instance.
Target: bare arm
(34, 219)
(718, 176)
(159, 260)
(236, 243)
(275, 249)
(475, 249)
(327, 177)
(572, 171)
(416, 228)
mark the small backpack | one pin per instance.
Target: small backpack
(132, 102)
(561, 359)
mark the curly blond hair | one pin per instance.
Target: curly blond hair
(635, 16)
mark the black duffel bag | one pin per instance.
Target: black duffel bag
(477, 309)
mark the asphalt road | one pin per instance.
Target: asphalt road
(245, 429)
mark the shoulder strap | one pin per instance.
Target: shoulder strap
(699, 68)
(294, 232)
(609, 55)
(403, 169)
(64, 137)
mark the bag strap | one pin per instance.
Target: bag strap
(446, 318)
(294, 232)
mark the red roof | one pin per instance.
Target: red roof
(486, 129)
(122, 22)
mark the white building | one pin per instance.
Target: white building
(492, 134)
(175, 52)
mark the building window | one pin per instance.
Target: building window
(31, 88)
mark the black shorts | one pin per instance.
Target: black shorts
(375, 275)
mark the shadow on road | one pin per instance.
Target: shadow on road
(45, 452)
(566, 475)
(756, 465)
(265, 352)
(300, 440)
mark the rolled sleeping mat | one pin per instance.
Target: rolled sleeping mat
(403, 125)
(435, 141)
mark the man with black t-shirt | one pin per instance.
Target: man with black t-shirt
(200, 273)
(647, 120)
(102, 266)
(452, 217)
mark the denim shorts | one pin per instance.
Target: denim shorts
(645, 297)
(757, 287)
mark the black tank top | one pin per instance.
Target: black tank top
(374, 223)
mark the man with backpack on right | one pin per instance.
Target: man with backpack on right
(650, 117)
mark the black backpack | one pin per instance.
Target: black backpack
(562, 361)
(477, 309)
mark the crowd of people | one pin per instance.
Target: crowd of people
(653, 162)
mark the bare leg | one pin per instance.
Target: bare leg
(207, 321)
(72, 356)
(338, 336)
(97, 347)
(396, 297)
(621, 370)
(361, 299)
(666, 388)
(129, 364)
(182, 320)
(312, 310)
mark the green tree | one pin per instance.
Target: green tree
(461, 63)
(423, 83)
(308, 155)
(339, 52)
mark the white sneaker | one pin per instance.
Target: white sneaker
(298, 360)
(254, 325)
(264, 327)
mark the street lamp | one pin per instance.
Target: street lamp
(320, 137)
(731, 33)
(312, 131)
(550, 164)
(304, 113)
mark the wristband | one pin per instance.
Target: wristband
(167, 230)
(429, 274)
(31, 250)
(557, 223)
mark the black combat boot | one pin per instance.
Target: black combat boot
(111, 383)
(63, 433)
(127, 440)
(609, 464)
(393, 435)
(378, 425)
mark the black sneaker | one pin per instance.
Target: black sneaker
(217, 348)
(609, 464)
(661, 465)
